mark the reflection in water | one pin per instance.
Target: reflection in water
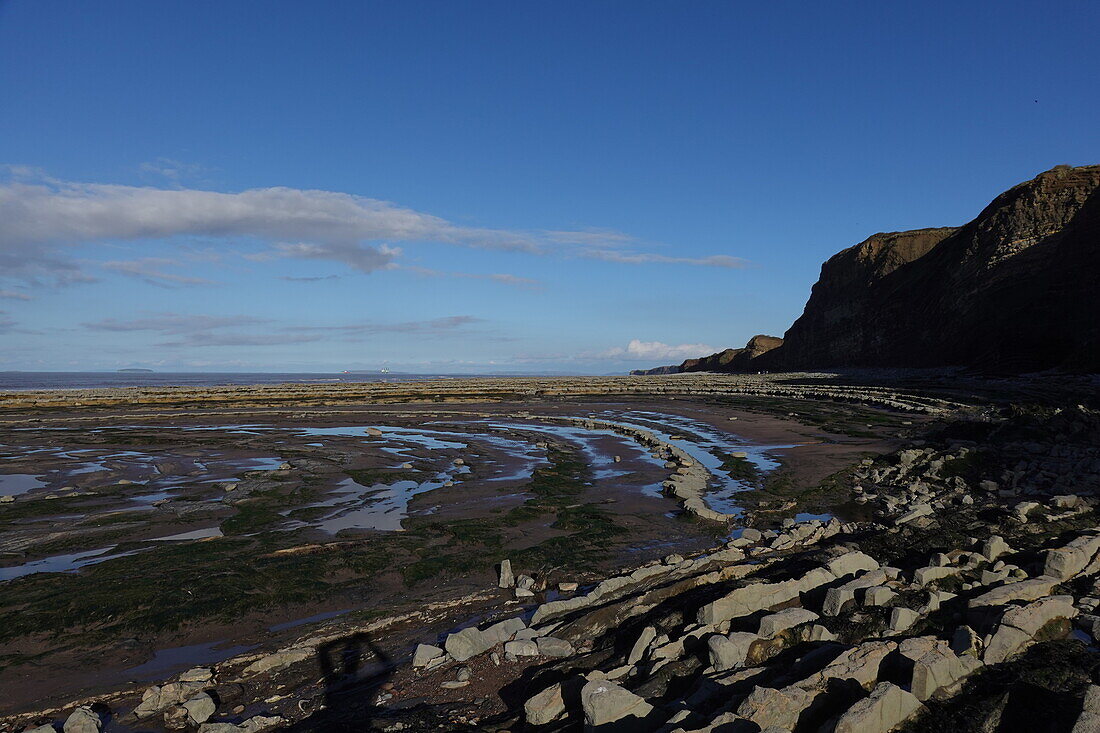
(62, 563)
(13, 484)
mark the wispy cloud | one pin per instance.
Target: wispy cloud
(640, 258)
(500, 277)
(653, 350)
(181, 330)
(431, 327)
(319, 278)
(174, 323)
(14, 295)
(42, 216)
(151, 270)
(7, 325)
(175, 171)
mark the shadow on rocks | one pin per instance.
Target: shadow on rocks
(354, 668)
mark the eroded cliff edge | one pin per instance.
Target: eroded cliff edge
(1014, 290)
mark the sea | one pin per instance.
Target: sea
(19, 381)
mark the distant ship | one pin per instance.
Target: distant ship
(385, 370)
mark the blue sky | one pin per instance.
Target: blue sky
(438, 186)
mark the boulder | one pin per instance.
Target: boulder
(850, 563)
(901, 619)
(1089, 719)
(522, 648)
(1065, 562)
(641, 645)
(279, 660)
(551, 646)
(760, 596)
(1025, 590)
(730, 651)
(425, 653)
(545, 707)
(200, 708)
(607, 704)
(507, 580)
(934, 666)
(1019, 625)
(887, 707)
(788, 618)
(83, 720)
(467, 643)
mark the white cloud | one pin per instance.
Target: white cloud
(655, 350)
(41, 216)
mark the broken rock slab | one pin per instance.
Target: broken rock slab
(887, 707)
(608, 704)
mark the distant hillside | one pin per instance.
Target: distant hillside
(1015, 290)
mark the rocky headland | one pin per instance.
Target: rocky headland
(1010, 292)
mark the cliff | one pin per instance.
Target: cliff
(1015, 290)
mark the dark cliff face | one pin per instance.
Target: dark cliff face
(1014, 290)
(733, 360)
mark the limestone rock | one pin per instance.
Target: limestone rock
(607, 704)
(641, 645)
(506, 578)
(279, 660)
(200, 708)
(545, 707)
(887, 707)
(425, 653)
(550, 646)
(786, 619)
(83, 720)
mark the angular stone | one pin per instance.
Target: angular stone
(879, 595)
(887, 707)
(523, 648)
(902, 618)
(934, 666)
(606, 703)
(506, 580)
(851, 562)
(83, 720)
(1089, 720)
(200, 708)
(779, 708)
(994, 547)
(545, 707)
(278, 660)
(730, 651)
(551, 646)
(786, 619)
(1019, 625)
(201, 675)
(1065, 562)
(1025, 590)
(641, 645)
(916, 512)
(759, 596)
(425, 653)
